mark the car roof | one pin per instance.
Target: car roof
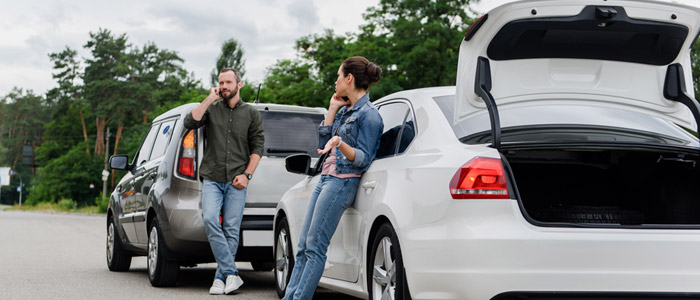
(187, 108)
(420, 94)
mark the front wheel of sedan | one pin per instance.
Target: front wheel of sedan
(118, 259)
(387, 279)
(161, 271)
(284, 258)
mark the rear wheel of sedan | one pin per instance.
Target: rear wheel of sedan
(118, 259)
(284, 258)
(161, 271)
(387, 279)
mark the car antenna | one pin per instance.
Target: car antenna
(258, 95)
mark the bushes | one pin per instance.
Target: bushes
(68, 176)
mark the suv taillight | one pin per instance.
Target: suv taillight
(185, 165)
(480, 178)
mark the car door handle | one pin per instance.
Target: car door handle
(152, 176)
(369, 184)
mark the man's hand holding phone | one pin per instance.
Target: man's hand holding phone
(214, 94)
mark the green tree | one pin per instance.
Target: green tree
(21, 123)
(695, 63)
(291, 82)
(68, 176)
(231, 56)
(65, 98)
(103, 87)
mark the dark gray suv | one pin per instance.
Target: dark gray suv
(155, 210)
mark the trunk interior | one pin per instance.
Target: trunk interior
(603, 186)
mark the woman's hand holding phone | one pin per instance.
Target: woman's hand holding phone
(337, 102)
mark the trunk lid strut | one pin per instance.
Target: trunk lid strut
(482, 87)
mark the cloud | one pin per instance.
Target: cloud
(305, 13)
(267, 30)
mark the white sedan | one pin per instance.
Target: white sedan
(561, 166)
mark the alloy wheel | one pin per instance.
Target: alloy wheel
(152, 251)
(384, 271)
(282, 259)
(110, 242)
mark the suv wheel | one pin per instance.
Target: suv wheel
(118, 259)
(284, 258)
(161, 271)
(387, 279)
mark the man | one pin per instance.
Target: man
(234, 146)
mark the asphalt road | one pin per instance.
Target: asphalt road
(62, 256)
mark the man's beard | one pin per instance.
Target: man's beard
(230, 95)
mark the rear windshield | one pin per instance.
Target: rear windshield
(567, 124)
(288, 133)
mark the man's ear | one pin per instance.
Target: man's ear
(240, 84)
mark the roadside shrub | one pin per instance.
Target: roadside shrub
(102, 203)
(67, 204)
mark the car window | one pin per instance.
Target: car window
(287, 133)
(162, 139)
(399, 128)
(146, 146)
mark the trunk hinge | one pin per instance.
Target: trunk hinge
(482, 87)
(674, 89)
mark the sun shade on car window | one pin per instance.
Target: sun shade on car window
(289, 133)
(590, 36)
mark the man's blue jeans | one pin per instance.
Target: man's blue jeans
(223, 198)
(328, 201)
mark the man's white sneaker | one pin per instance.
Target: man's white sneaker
(217, 288)
(233, 282)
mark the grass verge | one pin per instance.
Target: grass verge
(55, 207)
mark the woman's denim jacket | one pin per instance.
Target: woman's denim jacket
(360, 128)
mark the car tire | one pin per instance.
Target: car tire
(262, 266)
(161, 271)
(386, 277)
(118, 259)
(284, 258)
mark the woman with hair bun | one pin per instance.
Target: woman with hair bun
(351, 134)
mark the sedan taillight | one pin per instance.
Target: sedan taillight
(185, 165)
(480, 178)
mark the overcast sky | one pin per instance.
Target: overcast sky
(267, 29)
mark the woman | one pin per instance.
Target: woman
(351, 134)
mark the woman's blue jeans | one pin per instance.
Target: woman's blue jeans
(329, 199)
(223, 198)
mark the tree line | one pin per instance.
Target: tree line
(115, 93)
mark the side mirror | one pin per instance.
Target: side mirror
(119, 162)
(298, 163)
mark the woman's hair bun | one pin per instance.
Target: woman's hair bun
(364, 71)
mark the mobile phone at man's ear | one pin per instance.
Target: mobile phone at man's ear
(221, 95)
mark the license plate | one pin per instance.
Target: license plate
(257, 238)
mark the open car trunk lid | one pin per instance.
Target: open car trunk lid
(585, 53)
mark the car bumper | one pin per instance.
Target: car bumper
(483, 248)
(187, 238)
